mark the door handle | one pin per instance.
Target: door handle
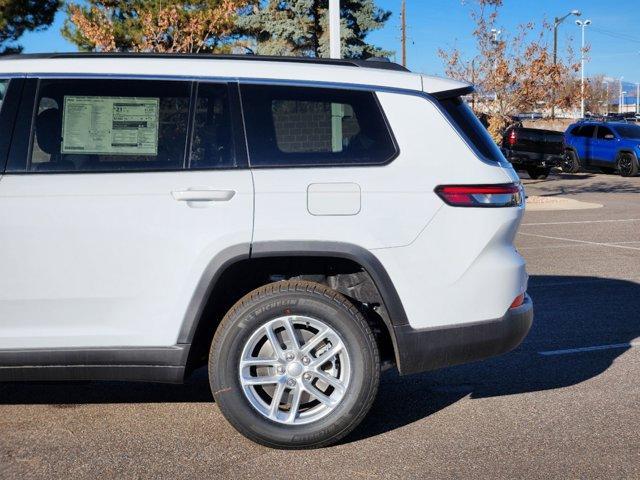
(203, 195)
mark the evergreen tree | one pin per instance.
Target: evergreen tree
(301, 27)
(188, 26)
(20, 16)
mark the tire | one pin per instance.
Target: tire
(571, 163)
(538, 172)
(305, 307)
(627, 164)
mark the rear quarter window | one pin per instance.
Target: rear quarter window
(470, 127)
(305, 127)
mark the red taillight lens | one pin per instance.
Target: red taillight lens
(513, 138)
(519, 300)
(505, 195)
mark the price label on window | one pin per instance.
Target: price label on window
(110, 125)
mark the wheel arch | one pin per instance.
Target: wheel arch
(196, 323)
(626, 150)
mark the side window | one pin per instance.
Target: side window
(212, 142)
(3, 89)
(300, 126)
(603, 132)
(576, 131)
(109, 126)
(475, 133)
(587, 131)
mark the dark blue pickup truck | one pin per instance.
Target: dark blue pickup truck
(609, 146)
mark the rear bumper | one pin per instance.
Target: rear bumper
(420, 350)
(526, 159)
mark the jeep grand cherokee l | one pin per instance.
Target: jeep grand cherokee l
(296, 225)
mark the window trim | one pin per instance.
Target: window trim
(25, 120)
(8, 115)
(322, 86)
(597, 132)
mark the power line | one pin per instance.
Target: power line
(616, 35)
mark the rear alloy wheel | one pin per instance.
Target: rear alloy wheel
(571, 163)
(627, 164)
(294, 364)
(538, 172)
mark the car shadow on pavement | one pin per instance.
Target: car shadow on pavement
(549, 188)
(570, 313)
(195, 389)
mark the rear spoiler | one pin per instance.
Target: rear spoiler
(442, 88)
(456, 92)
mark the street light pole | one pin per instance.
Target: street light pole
(637, 98)
(620, 97)
(556, 23)
(582, 25)
(606, 84)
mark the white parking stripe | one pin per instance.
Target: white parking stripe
(625, 247)
(583, 221)
(589, 349)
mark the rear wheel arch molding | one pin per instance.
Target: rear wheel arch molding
(261, 250)
(347, 251)
(626, 150)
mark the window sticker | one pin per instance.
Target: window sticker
(110, 125)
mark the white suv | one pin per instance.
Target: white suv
(298, 225)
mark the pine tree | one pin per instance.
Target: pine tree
(20, 16)
(187, 26)
(301, 27)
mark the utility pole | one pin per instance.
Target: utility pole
(403, 20)
(637, 98)
(620, 97)
(334, 29)
(556, 23)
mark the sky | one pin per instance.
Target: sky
(613, 36)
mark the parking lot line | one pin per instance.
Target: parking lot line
(582, 221)
(568, 351)
(625, 247)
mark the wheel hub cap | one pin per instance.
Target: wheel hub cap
(294, 369)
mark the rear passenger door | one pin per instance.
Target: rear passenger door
(586, 141)
(116, 196)
(604, 146)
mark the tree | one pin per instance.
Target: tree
(301, 27)
(515, 73)
(597, 94)
(20, 16)
(187, 26)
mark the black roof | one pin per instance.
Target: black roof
(373, 62)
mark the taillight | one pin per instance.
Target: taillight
(519, 300)
(513, 138)
(501, 195)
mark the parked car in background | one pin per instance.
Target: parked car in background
(609, 146)
(534, 150)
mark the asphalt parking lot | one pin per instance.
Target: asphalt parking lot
(566, 403)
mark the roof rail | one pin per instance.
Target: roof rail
(373, 62)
